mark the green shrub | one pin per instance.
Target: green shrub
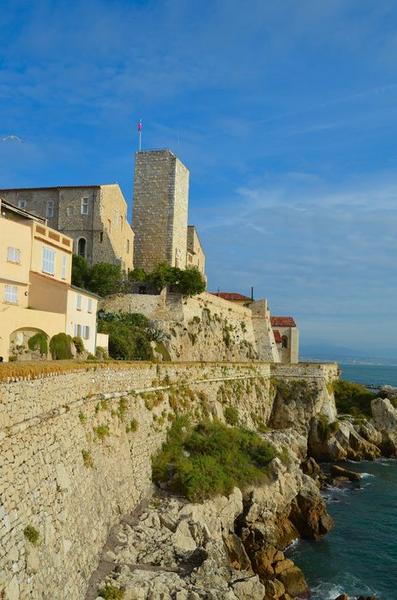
(353, 398)
(101, 353)
(231, 415)
(31, 534)
(61, 346)
(211, 459)
(78, 344)
(104, 279)
(82, 417)
(102, 431)
(122, 409)
(80, 271)
(110, 592)
(126, 342)
(39, 341)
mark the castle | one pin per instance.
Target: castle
(95, 219)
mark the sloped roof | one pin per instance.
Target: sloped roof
(231, 296)
(282, 322)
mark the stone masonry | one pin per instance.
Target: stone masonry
(76, 455)
(94, 216)
(161, 189)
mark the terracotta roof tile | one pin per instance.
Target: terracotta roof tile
(231, 296)
(282, 322)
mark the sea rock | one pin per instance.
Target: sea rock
(342, 597)
(249, 589)
(237, 554)
(337, 471)
(294, 582)
(339, 441)
(309, 513)
(385, 420)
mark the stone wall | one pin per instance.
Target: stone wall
(76, 451)
(204, 327)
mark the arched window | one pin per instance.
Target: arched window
(284, 341)
(82, 247)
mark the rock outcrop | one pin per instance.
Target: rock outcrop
(385, 421)
(230, 548)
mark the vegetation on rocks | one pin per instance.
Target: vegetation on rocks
(211, 458)
(129, 335)
(31, 534)
(352, 398)
(110, 592)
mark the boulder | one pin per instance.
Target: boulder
(294, 582)
(249, 589)
(309, 513)
(385, 420)
(236, 552)
(337, 471)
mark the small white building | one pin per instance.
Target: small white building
(81, 317)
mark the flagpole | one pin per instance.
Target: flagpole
(140, 135)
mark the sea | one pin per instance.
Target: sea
(359, 556)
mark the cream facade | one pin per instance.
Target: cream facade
(95, 217)
(81, 317)
(286, 335)
(35, 291)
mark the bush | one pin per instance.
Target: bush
(61, 346)
(191, 282)
(31, 534)
(104, 279)
(211, 459)
(231, 415)
(353, 398)
(39, 341)
(78, 344)
(126, 341)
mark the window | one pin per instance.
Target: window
(69, 211)
(48, 262)
(86, 332)
(284, 341)
(128, 246)
(13, 255)
(82, 247)
(84, 206)
(21, 203)
(89, 305)
(50, 209)
(64, 266)
(78, 302)
(11, 294)
(77, 330)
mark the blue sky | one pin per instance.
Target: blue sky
(285, 113)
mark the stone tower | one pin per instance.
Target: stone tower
(159, 221)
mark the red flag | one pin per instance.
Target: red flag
(139, 125)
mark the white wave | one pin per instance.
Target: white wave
(367, 475)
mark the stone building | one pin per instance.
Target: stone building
(286, 335)
(95, 216)
(160, 213)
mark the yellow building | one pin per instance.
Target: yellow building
(35, 291)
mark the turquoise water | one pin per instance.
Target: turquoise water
(359, 556)
(370, 374)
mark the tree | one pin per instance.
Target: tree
(104, 279)
(80, 271)
(191, 282)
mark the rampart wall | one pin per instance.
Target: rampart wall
(76, 455)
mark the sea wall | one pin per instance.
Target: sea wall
(76, 454)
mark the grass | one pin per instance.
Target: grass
(353, 398)
(132, 426)
(31, 534)
(87, 459)
(211, 458)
